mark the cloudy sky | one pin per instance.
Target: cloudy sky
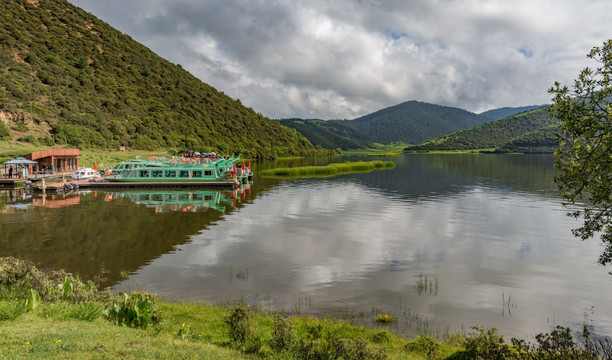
(340, 59)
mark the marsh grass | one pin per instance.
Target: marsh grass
(328, 170)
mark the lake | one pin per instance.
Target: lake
(441, 242)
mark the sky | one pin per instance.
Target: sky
(341, 59)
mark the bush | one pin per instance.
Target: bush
(5, 134)
(487, 344)
(18, 277)
(283, 334)
(239, 323)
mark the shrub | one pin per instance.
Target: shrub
(5, 134)
(487, 344)
(239, 323)
(283, 334)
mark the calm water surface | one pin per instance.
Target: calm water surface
(443, 242)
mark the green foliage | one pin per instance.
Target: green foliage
(329, 134)
(238, 322)
(491, 135)
(5, 133)
(87, 311)
(585, 154)
(18, 278)
(498, 114)
(317, 342)
(11, 310)
(33, 300)
(283, 335)
(96, 88)
(409, 122)
(134, 311)
(543, 141)
(329, 170)
(488, 345)
(427, 346)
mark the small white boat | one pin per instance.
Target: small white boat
(85, 173)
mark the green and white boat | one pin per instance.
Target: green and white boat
(197, 170)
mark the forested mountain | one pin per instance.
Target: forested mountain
(329, 134)
(414, 121)
(67, 77)
(497, 114)
(408, 122)
(499, 133)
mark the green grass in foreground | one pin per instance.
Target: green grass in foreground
(329, 170)
(54, 315)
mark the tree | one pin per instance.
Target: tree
(584, 157)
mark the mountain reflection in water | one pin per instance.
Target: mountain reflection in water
(460, 240)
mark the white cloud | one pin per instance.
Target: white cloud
(344, 59)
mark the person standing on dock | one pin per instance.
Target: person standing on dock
(10, 172)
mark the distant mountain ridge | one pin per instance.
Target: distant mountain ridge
(69, 78)
(408, 122)
(497, 114)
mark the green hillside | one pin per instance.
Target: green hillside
(540, 141)
(66, 77)
(330, 134)
(413, 122)
(409, 122)
(497, 114)
(491, 135)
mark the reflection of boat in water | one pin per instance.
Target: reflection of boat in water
(222, 170)
(180, 200)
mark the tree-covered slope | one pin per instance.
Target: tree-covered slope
(543, 140)
(497, 114)
(330, 134)
(414, 122)
(408, 122)
(66, 77)
(491, 135)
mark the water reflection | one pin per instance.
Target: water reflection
(194, 200)
(488, 231)
(86, 233)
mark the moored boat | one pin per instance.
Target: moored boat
(85, 174)
(220, 170)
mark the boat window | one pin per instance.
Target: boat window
(196, 196)
(183, 173)
(184, 196)
(144, 173)
(170, 173)
(207, 173)
(208, 197)
(197, 173)
(157, 173)
(157, 197)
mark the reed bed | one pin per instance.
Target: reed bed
(329, 170)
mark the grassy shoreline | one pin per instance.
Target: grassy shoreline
(53, 315)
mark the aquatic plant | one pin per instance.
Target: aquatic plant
(329, 170)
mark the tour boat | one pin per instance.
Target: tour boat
(219, 171)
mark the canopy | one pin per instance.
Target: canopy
(20, 160)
